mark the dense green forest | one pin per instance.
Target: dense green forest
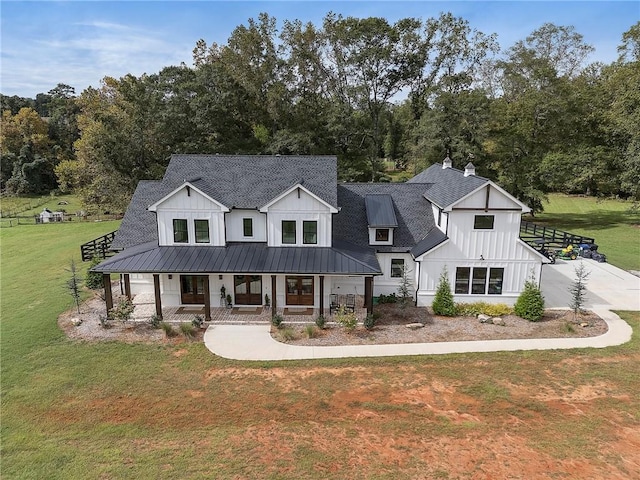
(535, 116)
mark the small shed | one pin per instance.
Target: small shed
(47, 216)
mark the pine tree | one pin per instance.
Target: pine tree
(578, 290)
(530, 303)
(443, 303)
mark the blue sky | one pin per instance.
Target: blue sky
(79, 43)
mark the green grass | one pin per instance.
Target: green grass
(77, 410)
(613, 223)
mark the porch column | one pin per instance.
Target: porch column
(274, 302)
(322, 295)
(156, 291)
(108, 297)
(368, 294)
(127, 286)
(207, 301)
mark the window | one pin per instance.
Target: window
(479, 281)
(310, 232)
(462, 279)
(495, 281)
(483, 222)
(382, 234)
(247, 227)
(476, 281)
(397, 267)
(288, 232)
(439, 217)
(180, 234)
(202, 231)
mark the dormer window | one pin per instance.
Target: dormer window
(310, 232)
(382, 234)
(202, 231)
(180, 232)
(247, 227)
(289, 232)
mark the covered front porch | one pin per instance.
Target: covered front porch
(145, 308)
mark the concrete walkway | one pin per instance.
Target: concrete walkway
(608, 288)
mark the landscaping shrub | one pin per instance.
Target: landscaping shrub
(155, 321)
(105, 321)
(168, 329)
(387, 298)
(93, 280)
(277, 320)
(122, 311)
(288, 334)
(197, 321)
(348, 320)
(370, 321)
(310, 331)
(476, 308)
(530, 303)
(443, 301)
(320, 321)
(188, 330)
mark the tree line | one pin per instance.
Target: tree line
(535, 117)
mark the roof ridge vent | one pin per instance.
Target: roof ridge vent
(470, 169)
(446, 163)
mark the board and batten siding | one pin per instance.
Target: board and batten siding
(235, 226)
(193, 206)
(298, 206)
(478, 199)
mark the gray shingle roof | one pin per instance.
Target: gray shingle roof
(434, 238)
(139, 225)
(252, 181)
(240, 258)
(446, 185)
(380, 211)
(412, 211)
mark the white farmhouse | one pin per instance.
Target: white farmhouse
(283, 226)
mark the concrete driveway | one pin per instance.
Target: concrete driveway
(608, 287)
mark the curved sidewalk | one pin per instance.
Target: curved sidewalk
(254, 342)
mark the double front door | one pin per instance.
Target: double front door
(192, 288)
(299, 290)
(248, 289)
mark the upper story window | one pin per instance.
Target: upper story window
(382, 234)
(247, 227)
(397, 267)
(180, 233)
(310, 232)
(289, 232)
(483, 222)
(202, 231)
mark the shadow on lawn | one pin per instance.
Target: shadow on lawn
(587, 220)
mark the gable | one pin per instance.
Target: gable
(187, 197)
(489, 197)
(298, 199)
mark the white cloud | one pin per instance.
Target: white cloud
(82, 54)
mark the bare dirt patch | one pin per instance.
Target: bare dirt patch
(392, 328)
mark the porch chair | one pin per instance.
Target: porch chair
(350, 304)
(334, 303)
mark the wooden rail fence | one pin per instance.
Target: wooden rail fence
(98, 247)
(535, 235)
